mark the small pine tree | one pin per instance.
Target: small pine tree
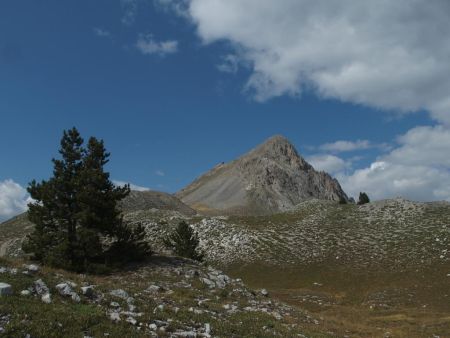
(342, 200)
(363, 198)
(184, 242)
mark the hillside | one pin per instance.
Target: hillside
(364, 270)
(273, 177)
(167, 297)
(147, 200)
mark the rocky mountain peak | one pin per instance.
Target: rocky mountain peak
(272, 177)
(277, 148)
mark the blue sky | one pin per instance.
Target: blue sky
(174, 87)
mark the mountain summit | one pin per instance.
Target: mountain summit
(272, 177)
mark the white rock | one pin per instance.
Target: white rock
(131, 320)
(65, 289)
(75, 297)
(5, 289)
(25, 292)
(119, 293)
(114, 316)
(32, 267)
(154, 288)
(87, 291)
(47, 299)
(208, 282)
(187, 334)
(264, 292)
(41, 288)
(152, 326)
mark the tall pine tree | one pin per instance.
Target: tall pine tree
(54, 212)
(75, 211)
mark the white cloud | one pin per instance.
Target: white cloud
(132, 186)
(418, 169)
(13, 199)
(385, 54)
(423, 146)
(328, 163)
(147, 45)
(130, 11)
(160, 173)
(342, 146)
(103, 33)
(230, 64)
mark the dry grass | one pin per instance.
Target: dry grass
(359, 303)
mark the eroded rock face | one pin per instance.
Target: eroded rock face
(272, 177)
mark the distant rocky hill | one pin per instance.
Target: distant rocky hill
(273, 177)
(146, 200)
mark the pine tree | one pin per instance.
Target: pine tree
(363, 198)
(184, 242)
(75, 211)
(55, 210)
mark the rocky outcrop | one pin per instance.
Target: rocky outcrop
(271, 178)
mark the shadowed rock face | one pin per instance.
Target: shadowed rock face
(272, 177)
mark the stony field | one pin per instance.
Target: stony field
(377, 270)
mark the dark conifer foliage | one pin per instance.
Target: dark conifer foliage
(363, 198)
(184, 242)
(76, 214)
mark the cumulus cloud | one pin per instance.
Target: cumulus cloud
(132, 186)
(342, 146)
(387, 54)
(418, 168)
(328, 163)
(147, 45)
(13, 199)
(160, 173)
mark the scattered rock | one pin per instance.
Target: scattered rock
(25, 293)
(41, 288)
(114, 316)
(119, 293)
(32, 267)
(208, 282)
(131, 320)
(87, 291)
(154, 288)
(65, 289)
(264, 292)
(5, 289)
(47, 299)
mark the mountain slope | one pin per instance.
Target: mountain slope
(146, 200)
(273, 177)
